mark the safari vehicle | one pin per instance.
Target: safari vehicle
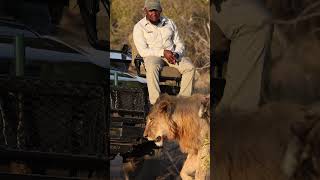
(53, 107)
(128, 109)
(129, 103)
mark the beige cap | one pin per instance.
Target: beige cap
(152, 4)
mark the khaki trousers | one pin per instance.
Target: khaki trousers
(153, 66)
(246, 24)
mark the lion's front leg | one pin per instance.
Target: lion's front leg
(189, 167)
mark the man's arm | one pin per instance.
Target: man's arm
(179, 49)
(141, 44)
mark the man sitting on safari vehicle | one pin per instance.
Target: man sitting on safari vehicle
(157, 41)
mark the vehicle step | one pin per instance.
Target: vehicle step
(128, 120)
(126, 111)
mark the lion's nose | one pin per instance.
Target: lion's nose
(145, 135)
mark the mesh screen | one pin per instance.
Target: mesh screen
(130, 99)
(53, 116)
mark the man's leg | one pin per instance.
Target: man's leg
(153, 65)
(250, 36)
(244, 70)
(187, 69)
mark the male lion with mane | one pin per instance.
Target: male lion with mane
(183, 119)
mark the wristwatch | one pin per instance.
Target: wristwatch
(176, 55)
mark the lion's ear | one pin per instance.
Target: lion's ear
(204, 106)
(165, 106)
(162, 97)
(205, 99)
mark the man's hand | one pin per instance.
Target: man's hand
(169, 55)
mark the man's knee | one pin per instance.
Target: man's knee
(152, 68)
(152, 64)
(188, 66)
(192, 69)
(152, 60)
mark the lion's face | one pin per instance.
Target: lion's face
(158, 127)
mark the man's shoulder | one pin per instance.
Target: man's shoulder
(168, 20)
(142, 22)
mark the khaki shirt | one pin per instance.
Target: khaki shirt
(152, 40)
